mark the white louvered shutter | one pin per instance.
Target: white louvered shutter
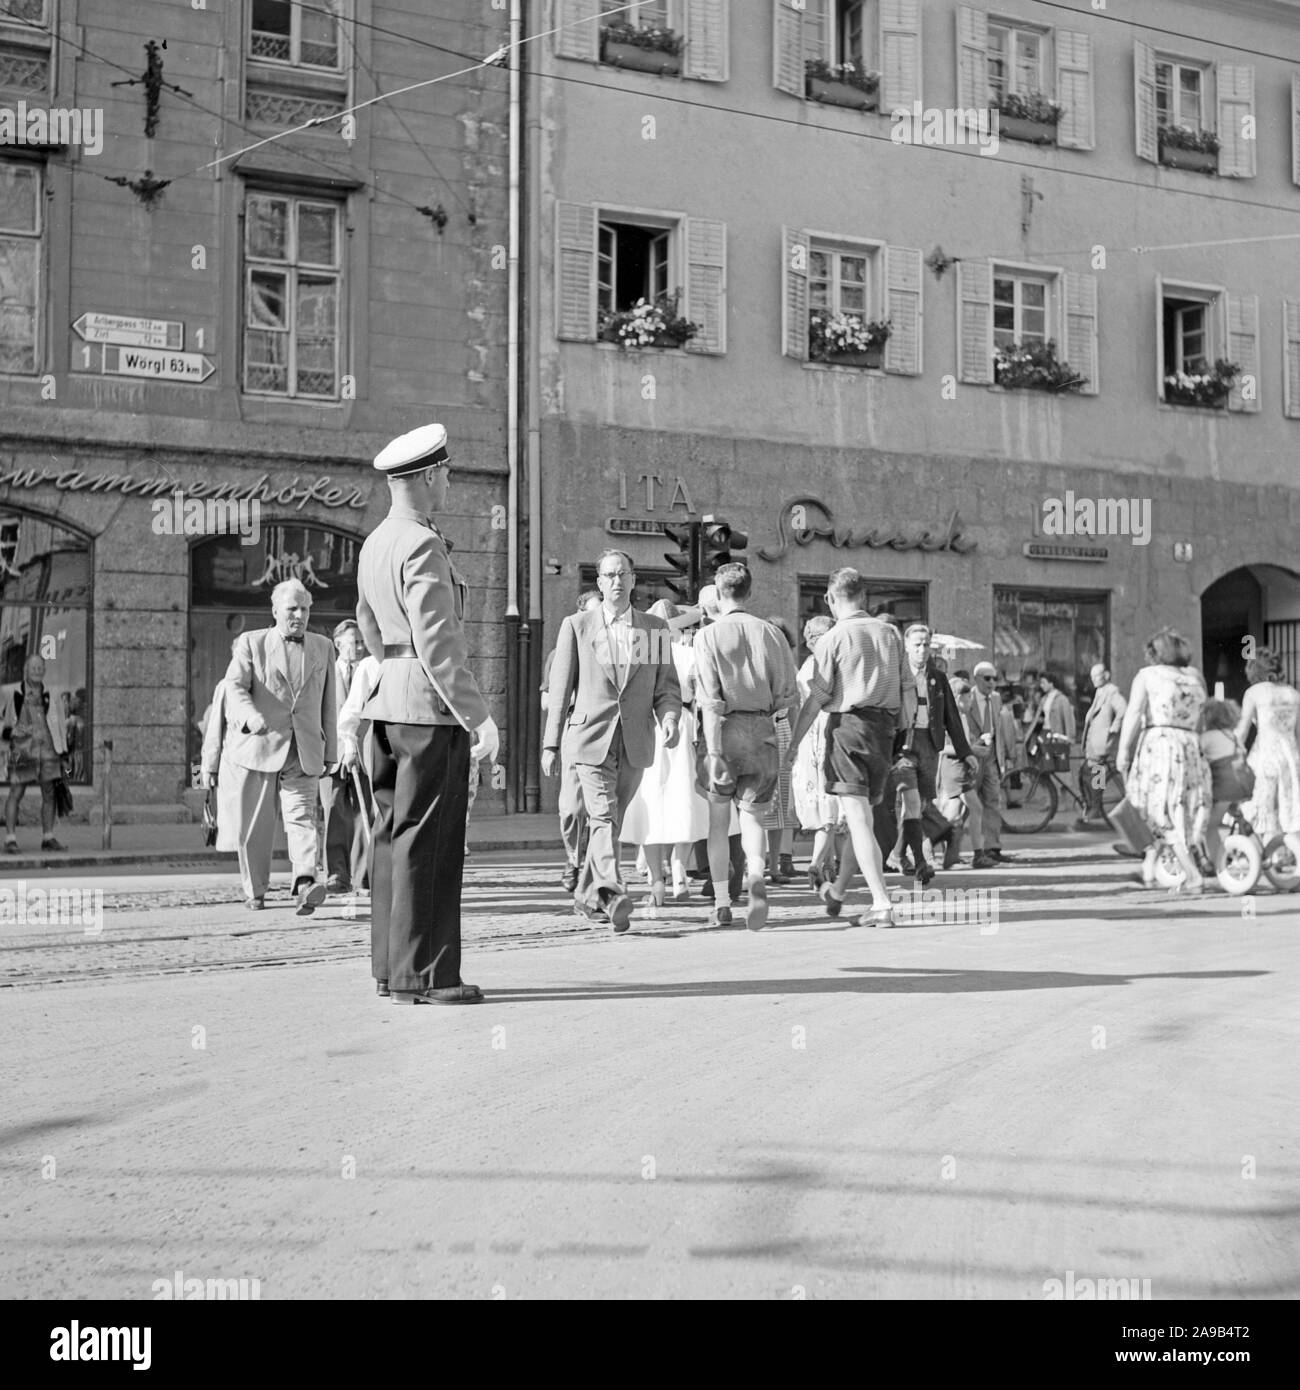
(575, 280)
(975, 326)
(972, 58)
(794, 293)
(706, 56)
(1291, 358)
(1295, 128)
(1144, 101)
(1074, 90)
(1243, 348)
(1235, 89)
(706, 284)
(792, 42)
(903, 309)
(578, 29)
(1079, 293)
(900, 54)
(1160, 337)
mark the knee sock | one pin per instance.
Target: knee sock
(913, 839)
(721, 893)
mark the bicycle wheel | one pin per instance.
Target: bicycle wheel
(1032, 805)
(1111, 795)
(1240, 864)
(1280, 865)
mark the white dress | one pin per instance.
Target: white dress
(1274, 809)
(816, 808)
(667, 807)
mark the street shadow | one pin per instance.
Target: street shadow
(863, 979)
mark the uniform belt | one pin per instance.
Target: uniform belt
(395, 651)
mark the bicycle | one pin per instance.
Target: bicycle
(1244, 859)
(1032, 794)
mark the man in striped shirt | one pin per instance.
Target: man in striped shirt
(861, 677)
(744, 674)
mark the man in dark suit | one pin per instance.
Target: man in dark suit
(280, 737)
(616, 667)
(411, 613)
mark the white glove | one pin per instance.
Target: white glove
(487, 740)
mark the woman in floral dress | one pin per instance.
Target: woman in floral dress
(1271, 706)
(818, 810)
(1167, 779)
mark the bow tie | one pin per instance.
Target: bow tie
(293, 639)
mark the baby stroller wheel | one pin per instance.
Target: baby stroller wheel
(1240, 863)
(1280, 865)
(1169, 872)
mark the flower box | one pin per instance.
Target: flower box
(866, 357)
(639, 59)
(1202, 161)
(841, 94)
(1022, 128)
(1219, 401)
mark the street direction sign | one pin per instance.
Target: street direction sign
(190, 367)
(129, 332)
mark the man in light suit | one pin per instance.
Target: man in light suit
(411, 612)
(991, 745)
(616, 666)
(280, 737)
(1101, 726)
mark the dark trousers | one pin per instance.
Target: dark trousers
(345, 835)
(421, 788)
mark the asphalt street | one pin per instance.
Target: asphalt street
(1083, 1076)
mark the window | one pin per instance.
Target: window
(45, 610)
(1015, 62)
(1194, 115)
(649, 14)
(230, 593)
(1019, 310)
(868, 281)
(908, 603)
(292, 282)
(850, 33)
(608, 258)
(632, 262)
(24, 46)
(20, 266)
(702, 25)
(24, 11)
(1199, 326)
(1001, 304)
(1180, 95)
(880, 36)
(304, 35)
(1051, 630)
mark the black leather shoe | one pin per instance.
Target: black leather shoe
(453, 994)
(382, 990)
(832, 903)
(569, 879)
(619, 908)
(924, 873)
(255, 904)
(1003, 858)
(589, 914)
(983, 860)
(336, 885)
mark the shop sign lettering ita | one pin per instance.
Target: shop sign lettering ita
(806, 519)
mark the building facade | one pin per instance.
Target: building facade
(191, 315)
(1138, 212)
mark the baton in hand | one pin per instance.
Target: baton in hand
(362, 806)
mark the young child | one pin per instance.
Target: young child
(1221, 749)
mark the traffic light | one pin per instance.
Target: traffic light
(685, 560)
(721, 542)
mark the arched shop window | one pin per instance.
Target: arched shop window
(45, 610)
(230, 593)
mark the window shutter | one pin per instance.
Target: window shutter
(900, 54)
(1080, 296)
(972, 58)
(794, 293)
(1160, 337)
(706, 283)
(705, 57)
(1235, 89)
(787, 48)
(1243, 347)
(575, 310)
(1291, 358)
(578, 30)
(1144, 101)
(903, 308)
(1074, 90)
(975, 330)
(1295, 128)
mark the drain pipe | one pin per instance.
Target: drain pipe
(531, 653)
(515, 701)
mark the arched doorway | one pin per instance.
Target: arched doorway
(230, 593)
(1256, 603)
(46, 610)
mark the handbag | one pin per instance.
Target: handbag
(934, 824)
(1244, 774)
(1126, 818)
(209, 820)
(62, 799)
